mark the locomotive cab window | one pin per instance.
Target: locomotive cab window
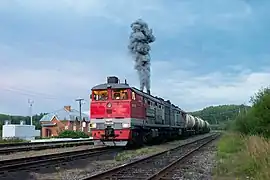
(133, 96)
(120, 94)
(100, 95)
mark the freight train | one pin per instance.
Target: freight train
(122, 115)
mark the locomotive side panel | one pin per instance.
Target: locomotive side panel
(182, 120)
(137, 106)
(155, 111)
(159, 114)
(150, 112)
(172, 116)
(162, 112)
(177, 118)
(167, 112)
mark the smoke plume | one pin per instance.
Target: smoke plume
(140, 38)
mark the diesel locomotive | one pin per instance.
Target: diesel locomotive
(122, 115)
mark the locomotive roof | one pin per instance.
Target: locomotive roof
(126, 86)
(112, 85)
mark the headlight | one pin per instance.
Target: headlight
(93, 125)
(125, 125)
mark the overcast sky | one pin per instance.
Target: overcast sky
(207, 52)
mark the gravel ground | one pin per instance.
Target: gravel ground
(23, 154)
(85, 167)
(200, 166)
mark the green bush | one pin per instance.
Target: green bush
(12, 140)
(72, 134)
(257, 120)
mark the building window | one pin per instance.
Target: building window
(84, 124)
(89, 127)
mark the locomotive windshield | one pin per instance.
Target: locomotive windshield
(121, 94)
(100, 95)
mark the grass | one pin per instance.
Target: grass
(11, 140)
(243, 157)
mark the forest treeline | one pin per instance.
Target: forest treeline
(220, 114)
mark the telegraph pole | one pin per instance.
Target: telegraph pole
(80, 105)
(31, 102)
(245, 107)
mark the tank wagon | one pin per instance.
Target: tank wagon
(122, 115)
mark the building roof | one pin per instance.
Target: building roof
(65, 114)
(49, 125)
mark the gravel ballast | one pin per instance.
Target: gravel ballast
(78, 169)
(199, 166)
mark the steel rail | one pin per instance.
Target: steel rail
(40, 143)
(170, 167)
(147, 170)
(22, 163)
(35, 147)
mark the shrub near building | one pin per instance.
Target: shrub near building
(244, 151)
(72, 134)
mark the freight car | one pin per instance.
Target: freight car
(122, 115)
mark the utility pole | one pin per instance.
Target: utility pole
(245, 107)
(80, 105)
(31, 102)
(239, 111)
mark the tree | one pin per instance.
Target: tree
(220, 114)
(257, 119)
(17, 119)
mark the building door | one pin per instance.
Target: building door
(83, 126)
(48, 133)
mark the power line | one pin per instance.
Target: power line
(34, 94)
(27, 93)
(26, 90)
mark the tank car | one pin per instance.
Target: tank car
(122, 115)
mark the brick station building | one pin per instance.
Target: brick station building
(65, 118)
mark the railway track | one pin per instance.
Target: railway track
(155, 166)
(51, 159)
(12, 148)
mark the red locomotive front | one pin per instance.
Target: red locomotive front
(112, 110)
